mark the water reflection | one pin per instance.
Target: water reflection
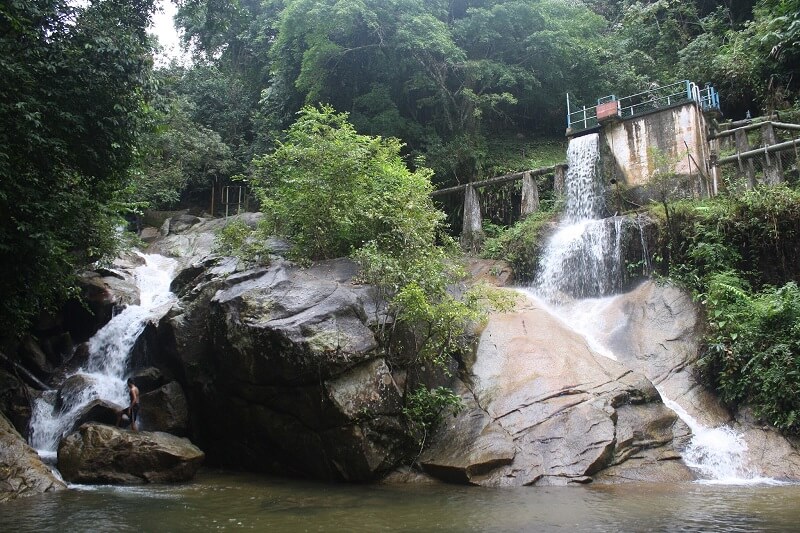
(225, 501)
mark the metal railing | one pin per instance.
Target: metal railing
(655, 97)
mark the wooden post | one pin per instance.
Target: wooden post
(746, 168)
(530, 195)
(558, 180)
(773, 168)
(472, 229)
(213, 187)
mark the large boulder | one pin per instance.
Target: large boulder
(98, 453)
(165, 409)
(280, 364)
(655, 329)
(100, 411)
(22, 472)
(544, 408)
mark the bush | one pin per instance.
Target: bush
(521, 244)
(237, 239)
(739, 255)
(425, 408)
(753, 347)
(332, 190)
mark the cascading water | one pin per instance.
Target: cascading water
(581, 266)
(109, 350)
(584, 257)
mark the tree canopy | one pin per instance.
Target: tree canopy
(73, 81)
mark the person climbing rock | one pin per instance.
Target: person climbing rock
(133, 409)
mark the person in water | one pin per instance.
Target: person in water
(133, 409)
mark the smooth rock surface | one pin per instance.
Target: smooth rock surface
(99, 453)
(549, 410)
(657, 333)
(22, 472)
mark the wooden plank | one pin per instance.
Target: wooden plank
(758, 151)
(498, 180)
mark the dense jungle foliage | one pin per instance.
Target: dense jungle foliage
(91, 130)
(739, 254)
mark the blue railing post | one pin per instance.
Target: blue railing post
(688, 89)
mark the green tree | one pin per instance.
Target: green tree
(178, 158)
(331, 190)
(72, 83)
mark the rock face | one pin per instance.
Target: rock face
(657, 334)
(22, 473)
(104, 454)
(545, 409)
(279, 363)
(282, 372)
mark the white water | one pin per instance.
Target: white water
(583, 259)
(109, 350)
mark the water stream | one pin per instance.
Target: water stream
(103, 375)
(581, 268)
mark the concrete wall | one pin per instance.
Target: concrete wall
(678, 133)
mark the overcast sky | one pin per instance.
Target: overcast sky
(164, 28)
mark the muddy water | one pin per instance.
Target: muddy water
(225, 501)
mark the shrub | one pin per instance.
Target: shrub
(425, 408)
(332, 190)
(753, 347)
(739, 255)
(247, 244)
(521, 244)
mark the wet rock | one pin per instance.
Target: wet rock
(770, 453)
(542, 392)
(72, 389)
(104, 454)
(22, 472)
(98, 411)
(148, 379)
(165, 409)
(656, 331)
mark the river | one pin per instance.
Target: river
(236, 501)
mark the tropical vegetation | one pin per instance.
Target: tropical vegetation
(342, 115)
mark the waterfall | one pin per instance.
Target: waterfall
(103, 376)
(582, 266)
(718, 454)
(585, 256)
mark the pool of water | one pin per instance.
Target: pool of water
(236, 501)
